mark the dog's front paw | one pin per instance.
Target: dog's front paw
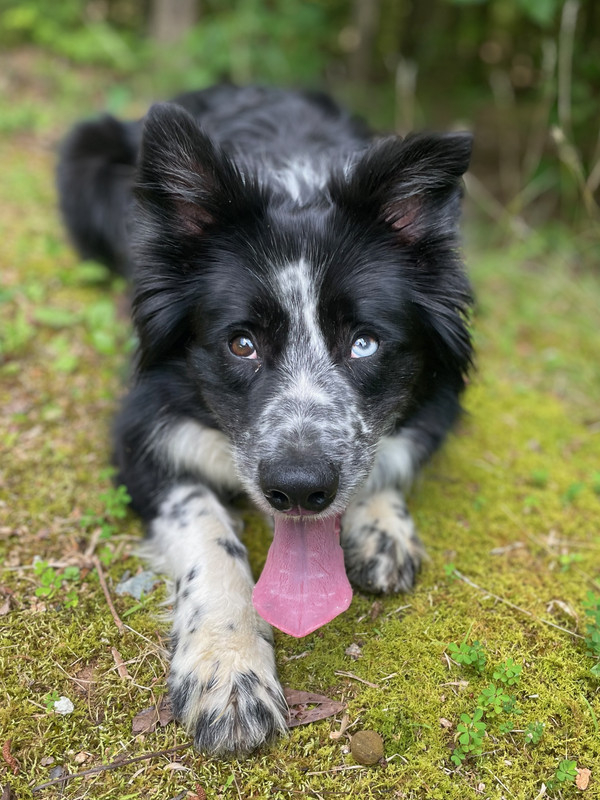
(226, 693)
(382, 551)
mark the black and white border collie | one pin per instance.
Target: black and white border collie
(301, 308)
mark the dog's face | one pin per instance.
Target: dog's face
(310, 326)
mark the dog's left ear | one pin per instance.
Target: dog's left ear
(184, 178)
(413, 185)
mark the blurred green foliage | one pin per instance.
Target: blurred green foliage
(524, 73)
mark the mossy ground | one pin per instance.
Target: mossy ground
(513, 502)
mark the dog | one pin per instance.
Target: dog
(302, 312)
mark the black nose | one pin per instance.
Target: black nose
(308, 485)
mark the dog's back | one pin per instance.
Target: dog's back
(288, 134)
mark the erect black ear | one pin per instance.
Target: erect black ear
(182, 172)
(412, 185)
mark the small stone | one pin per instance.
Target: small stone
(353, 651)
(63, 705)
(366, 747)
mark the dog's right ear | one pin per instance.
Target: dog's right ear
(182, 176)
(412, 186)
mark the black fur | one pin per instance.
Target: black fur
(270, 236)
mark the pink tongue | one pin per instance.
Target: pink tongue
(303, 584)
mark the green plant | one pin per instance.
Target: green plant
(470, 733)
(143, 602)
(539, 478)
(567, 559)
(450, 571)
(52, 581)
(469, 655)
(565, 774)
(591, 607)
(508, 672)
(115, 501)
(492, 700)
(50, 698)
(534, 732)
(573, 492)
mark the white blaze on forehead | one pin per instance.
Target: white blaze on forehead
(298, 294)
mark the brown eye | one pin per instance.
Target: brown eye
(243, 347)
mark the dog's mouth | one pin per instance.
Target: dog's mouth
(303, 584)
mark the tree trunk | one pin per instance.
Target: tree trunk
(171, 19)
(365, 21)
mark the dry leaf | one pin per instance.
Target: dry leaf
(300, 714)
(343, 727)
(583, 778)
(121, 668)
(165, 712)
(5, 607)
(7, 793)
(84, 679)
(375, 610)
(145, 721)
(445, 723)
(564, 607)
(148, 719)
(9, 758)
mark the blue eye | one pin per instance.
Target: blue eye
(364, 346)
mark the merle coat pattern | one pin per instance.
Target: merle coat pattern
(301, 307)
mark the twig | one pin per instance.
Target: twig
(496, 778)
(113, 765)
(103, 584)
(356, 678)
(516, 608)
(344, 768)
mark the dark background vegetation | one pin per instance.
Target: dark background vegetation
(523, 74)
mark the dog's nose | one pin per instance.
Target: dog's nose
(292, 484)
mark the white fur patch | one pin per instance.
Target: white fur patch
(223, 683)
(395, 464)
(301, 178)
(206, 452)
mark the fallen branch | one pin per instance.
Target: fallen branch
(113, 765)
(103, 584)
(469, 582)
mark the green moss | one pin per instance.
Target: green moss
(512, 503)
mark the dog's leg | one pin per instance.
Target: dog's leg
(381, 548)
(223, 682)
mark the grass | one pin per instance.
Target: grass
(509, 512)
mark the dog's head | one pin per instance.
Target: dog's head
(309, 322)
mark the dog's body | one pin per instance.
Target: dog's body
(300, 304)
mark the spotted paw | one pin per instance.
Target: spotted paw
(227, 694)
(382, 551)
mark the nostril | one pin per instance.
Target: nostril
(317, 500)
(279, 500)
